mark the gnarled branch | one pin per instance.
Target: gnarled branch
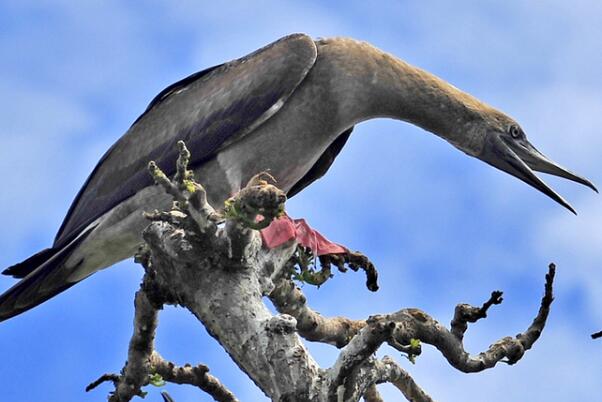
(221, 275)
(338, 331)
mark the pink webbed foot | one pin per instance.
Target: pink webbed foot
(285, 228)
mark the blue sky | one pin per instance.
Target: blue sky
(441, 227)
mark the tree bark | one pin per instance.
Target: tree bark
(214, 264)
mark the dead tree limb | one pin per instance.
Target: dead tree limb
(222, 273)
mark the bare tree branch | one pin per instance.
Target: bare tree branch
(403, 381)
(386, 370)
(109, 377)
(135, 374)
(193, 375)
(337, 331)
(355, 261)
(221, 274)
(415, 324)
(143, 362)
(466, 313)
(361, 347)
(372, 394)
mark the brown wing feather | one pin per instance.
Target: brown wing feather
(207, 110)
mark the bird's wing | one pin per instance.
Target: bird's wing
(207, 110)
(322, 165)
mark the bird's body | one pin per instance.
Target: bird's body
(287, 109)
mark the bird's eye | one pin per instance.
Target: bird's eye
(514, 131)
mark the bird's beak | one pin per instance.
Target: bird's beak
(519, 158)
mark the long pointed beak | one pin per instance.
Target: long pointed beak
(521, 159)
(541, 163)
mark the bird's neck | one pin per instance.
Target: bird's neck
(376, 84)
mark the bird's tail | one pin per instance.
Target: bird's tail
(22, 269)
(43, 275)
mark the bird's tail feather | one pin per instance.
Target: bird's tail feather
(45, 275)
(22, 269)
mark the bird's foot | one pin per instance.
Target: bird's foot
(313, 246)
(285, 228)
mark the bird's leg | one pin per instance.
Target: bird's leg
(260, 206)
(284, 229)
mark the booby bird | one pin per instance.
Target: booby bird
(287, 108)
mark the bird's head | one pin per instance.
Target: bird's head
(500, 141)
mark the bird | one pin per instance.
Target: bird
(287, 108)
